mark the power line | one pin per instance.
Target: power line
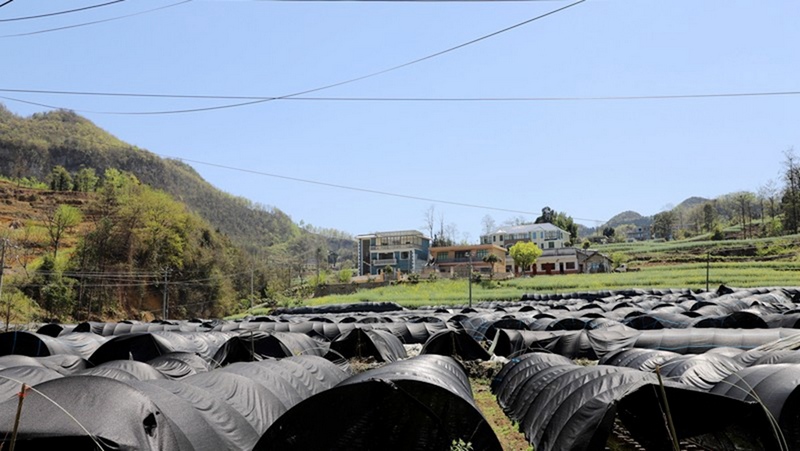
(58, 13)
(405, 99)
(6, 3)
(333, 85)
(363, 190)
(84, 24)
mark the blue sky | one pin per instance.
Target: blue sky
(589, 158)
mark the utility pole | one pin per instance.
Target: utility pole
(469, 277)
(165, 305)
(252, 271)
(708, 268)
(2, 269)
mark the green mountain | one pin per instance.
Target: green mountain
(31, 147)
(629, 217)
(692, 202)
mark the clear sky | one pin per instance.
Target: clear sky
(589, 158)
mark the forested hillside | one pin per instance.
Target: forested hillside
(117, 252)
(31, 147)
(244, 252)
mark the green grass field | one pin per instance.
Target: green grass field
(763, 262)
(693, 276)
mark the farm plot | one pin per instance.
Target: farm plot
(721, 366)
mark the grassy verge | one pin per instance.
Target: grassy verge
(507, 432)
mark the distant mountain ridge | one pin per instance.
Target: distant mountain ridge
(629, 217)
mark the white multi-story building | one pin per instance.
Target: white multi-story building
(545, 235)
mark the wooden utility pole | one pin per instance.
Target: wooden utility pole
(165, 306)
(2, 269)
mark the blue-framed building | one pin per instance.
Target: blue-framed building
(405, 251)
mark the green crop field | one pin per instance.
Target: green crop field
(693, 276)
(764, 262)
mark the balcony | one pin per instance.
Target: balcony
(457, 260)
(380, 263)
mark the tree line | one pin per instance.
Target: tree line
(772, 210)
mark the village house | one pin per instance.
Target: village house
(454, 261)
(403, 252)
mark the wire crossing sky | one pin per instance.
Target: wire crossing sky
(603, 107)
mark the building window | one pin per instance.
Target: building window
(501, 237)
(551, 244)
(404, 255)
(570, 265)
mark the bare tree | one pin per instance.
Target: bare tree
(768, 193)
(791, 193)
(429, 221)
(488, 225)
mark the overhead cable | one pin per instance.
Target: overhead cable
(363, 190)
(84, 24)
(407, 99)
(333, 85)
(58, 13)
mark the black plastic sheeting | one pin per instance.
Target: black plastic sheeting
(773, 386)
(33, 345)
(137, 407)
(139, 370)
(362, 343)
(584, 343)
(700, 340)
(177, 365)
(228, 423)
(408, 332)
(147, 346)
(361, 307)
(701, 371)
(64, 364)
(140, 346)
(423, 403)
(100, 410)
(133, 327)
(594, 344)
(638, 359)
(252, 346)
(11, 379)
(455, 343)
(563, 406)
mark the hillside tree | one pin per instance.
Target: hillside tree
(663, 225)
(709, 217)
(60, 179)
(59, 221)
(790, 199)
(85, 180)
(745, 201)
(560, 220)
